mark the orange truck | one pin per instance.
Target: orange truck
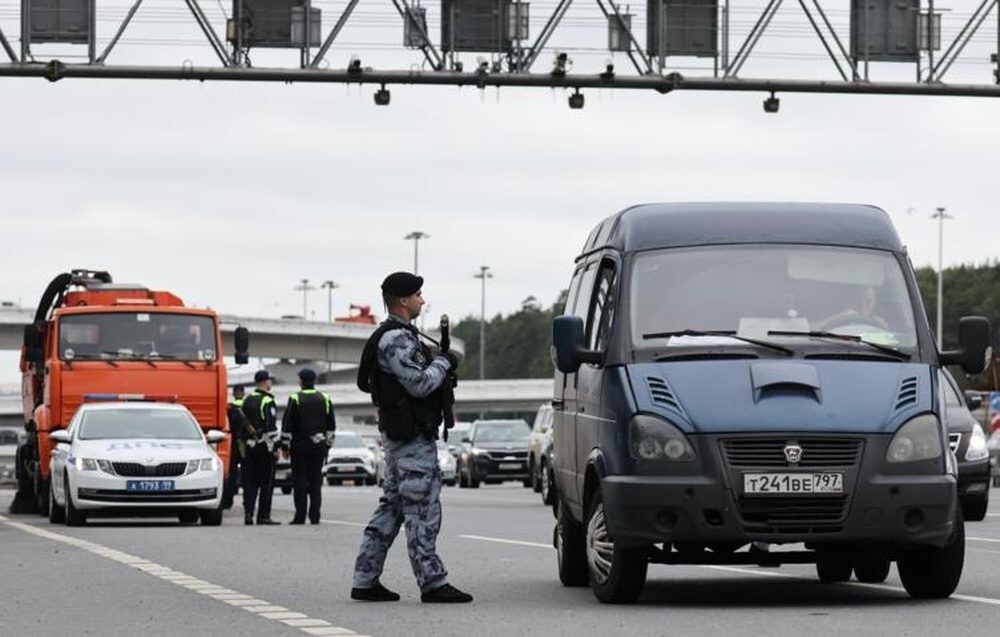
(93, 336)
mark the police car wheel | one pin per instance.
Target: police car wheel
(934, 572)
(571, 550)
(211, 518)
(57, 514)
(617, 575)
(73, 516)
(188, 517)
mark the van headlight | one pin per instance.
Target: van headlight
(652, 438)
(918, 439)
(977, 449)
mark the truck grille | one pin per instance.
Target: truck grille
(795, 512)
(136, 470)
(769, 452)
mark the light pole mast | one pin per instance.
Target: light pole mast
(330, 287)
(305, 288)
(940, 215)
(484, 273)
(416, 236)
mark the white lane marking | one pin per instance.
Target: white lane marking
(982, 539)
(343, 523)
(259, 607)
(747, 571)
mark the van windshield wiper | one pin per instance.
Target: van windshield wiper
(844, 337)
(726, 333)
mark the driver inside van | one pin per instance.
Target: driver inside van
(860, 311)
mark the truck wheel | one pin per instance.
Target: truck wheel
(933, 573)
(73, 517)
(975, 510)
(24, 499)
(834, 568)
(571, 549)
(41, 495)
(57, 514)
(617, 575)
(871, 569)
(211, 518)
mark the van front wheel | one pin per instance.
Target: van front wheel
(617, 575)
(933, 573)
(571, 551)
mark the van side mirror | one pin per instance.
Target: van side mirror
(974, 351)
(241, 340)
(973, 400)
(567, 338)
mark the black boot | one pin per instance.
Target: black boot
(248, 519)
(446, 594)
(374, 593)
(298, 520)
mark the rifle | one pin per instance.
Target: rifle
(450, 382)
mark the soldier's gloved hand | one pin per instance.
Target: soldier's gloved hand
(251, 443)
(452, 360)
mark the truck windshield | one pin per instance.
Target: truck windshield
(169, 424)
(137, 335)
(768, 292)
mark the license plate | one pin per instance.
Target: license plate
(345, 469)
(793, 483)
(149, 485)
(504, 466)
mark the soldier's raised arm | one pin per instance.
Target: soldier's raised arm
(399, 353)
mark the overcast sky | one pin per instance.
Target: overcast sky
(228, 194)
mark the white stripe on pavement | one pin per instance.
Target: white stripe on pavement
(981, 539)
(501, 540)
(258, 607)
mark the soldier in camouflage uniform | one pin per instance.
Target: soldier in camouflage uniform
(404, 381)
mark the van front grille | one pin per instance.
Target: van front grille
(770, 452)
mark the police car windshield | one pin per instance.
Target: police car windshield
(515, 431)
(137, 335)
(107, 424)
(347, 440)
(766, 292)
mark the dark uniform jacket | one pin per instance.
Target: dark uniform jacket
(308, 418)
(260, 411)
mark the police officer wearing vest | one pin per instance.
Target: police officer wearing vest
(404, 381)
(234, 414)
(260, 437)
(310, 423)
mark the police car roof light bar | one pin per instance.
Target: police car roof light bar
(145, 398)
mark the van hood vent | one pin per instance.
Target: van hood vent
(907, 395)
(660, 394)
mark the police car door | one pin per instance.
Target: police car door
(565, 403)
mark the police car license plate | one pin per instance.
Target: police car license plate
(793, 483)
(149, 485)
(509, 466)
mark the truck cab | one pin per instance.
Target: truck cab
(734, 377)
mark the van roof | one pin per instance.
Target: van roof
(673, 225)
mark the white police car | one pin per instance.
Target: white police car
(135, 458)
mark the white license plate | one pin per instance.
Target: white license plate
(505, 466)
(346, 469)
(793, 483)
(149, 485)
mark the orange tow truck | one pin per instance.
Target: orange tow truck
(93, 336)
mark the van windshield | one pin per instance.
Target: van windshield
(758, 291)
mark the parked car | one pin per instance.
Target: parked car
(733, 375)
(9, 439)
(448, 464)
(541, 436)
(494, 451)
(967, 441)
(135, 458)
(349, 459)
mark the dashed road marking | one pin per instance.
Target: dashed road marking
(500, 540)
(343, 523)
(260, 608)
(982, 539)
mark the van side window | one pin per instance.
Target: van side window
(603, 308)
(952, 397)
(581, 306)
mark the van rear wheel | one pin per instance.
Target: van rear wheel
(934, 572)
(617, 575)
(571, 549)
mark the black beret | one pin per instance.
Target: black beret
(261, 376)
(307, 375)
(402, 284)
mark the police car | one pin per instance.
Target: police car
(135, 458)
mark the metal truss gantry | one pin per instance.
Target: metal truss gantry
(513, 58)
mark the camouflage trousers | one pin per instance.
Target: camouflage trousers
(411, 496)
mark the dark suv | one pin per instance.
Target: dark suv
(494, 451)
(736, 376)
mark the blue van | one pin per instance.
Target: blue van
(731, 377)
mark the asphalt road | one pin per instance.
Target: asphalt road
(160, 578)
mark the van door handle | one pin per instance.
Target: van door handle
(558, 404)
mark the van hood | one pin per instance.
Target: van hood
(729, 396)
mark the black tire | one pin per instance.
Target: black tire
(331, 481)
(617, 575)
(73, 517)
(529, 484)
(535, 482)
(463, 480)
(57, 514)
(24, 498)
(871, 569)
(548, 486)
(933, 572)
(286, 490)
(996, 479)
(473, 482)
(370, 481)
(188, 517)
(211, 518)
(834, 568)
(449, 483)
(42, 495)
(571, 549)
(975, 510)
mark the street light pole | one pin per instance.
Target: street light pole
(416, 236)
(330, 287)
(484, 273)
(940, 216)
(305, 288)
